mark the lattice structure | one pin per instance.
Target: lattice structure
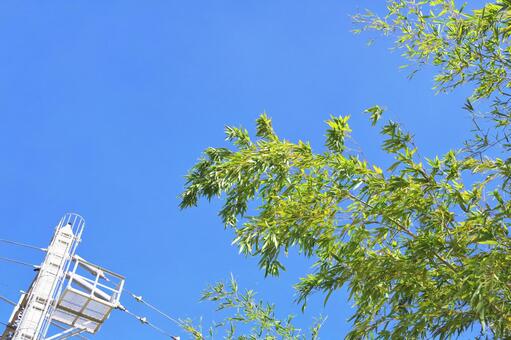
(89, 297)
(68, 292)
(34, 315)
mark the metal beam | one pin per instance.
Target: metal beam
(66, 334)
(33, 315)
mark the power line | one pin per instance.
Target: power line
(3, 298)
(143, 320)
(139, 298)
(12, 303)
(22, 244)
(5, 259)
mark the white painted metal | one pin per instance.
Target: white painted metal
(68, 333)
(74, 299)
(90, 295)
(35, 319)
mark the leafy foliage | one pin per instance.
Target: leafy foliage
(467, 46)
(255, 319)
(420, 253)
(423, 246)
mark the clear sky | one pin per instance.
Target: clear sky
(105, 105)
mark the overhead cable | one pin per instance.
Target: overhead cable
(140, 299)
(5, 259)
(144, 321)
(3, 298)
(22, 244)
(12, 303)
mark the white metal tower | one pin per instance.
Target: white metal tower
(76, 298)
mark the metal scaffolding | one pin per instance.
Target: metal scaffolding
(68, 292)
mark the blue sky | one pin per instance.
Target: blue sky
(105, 105)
